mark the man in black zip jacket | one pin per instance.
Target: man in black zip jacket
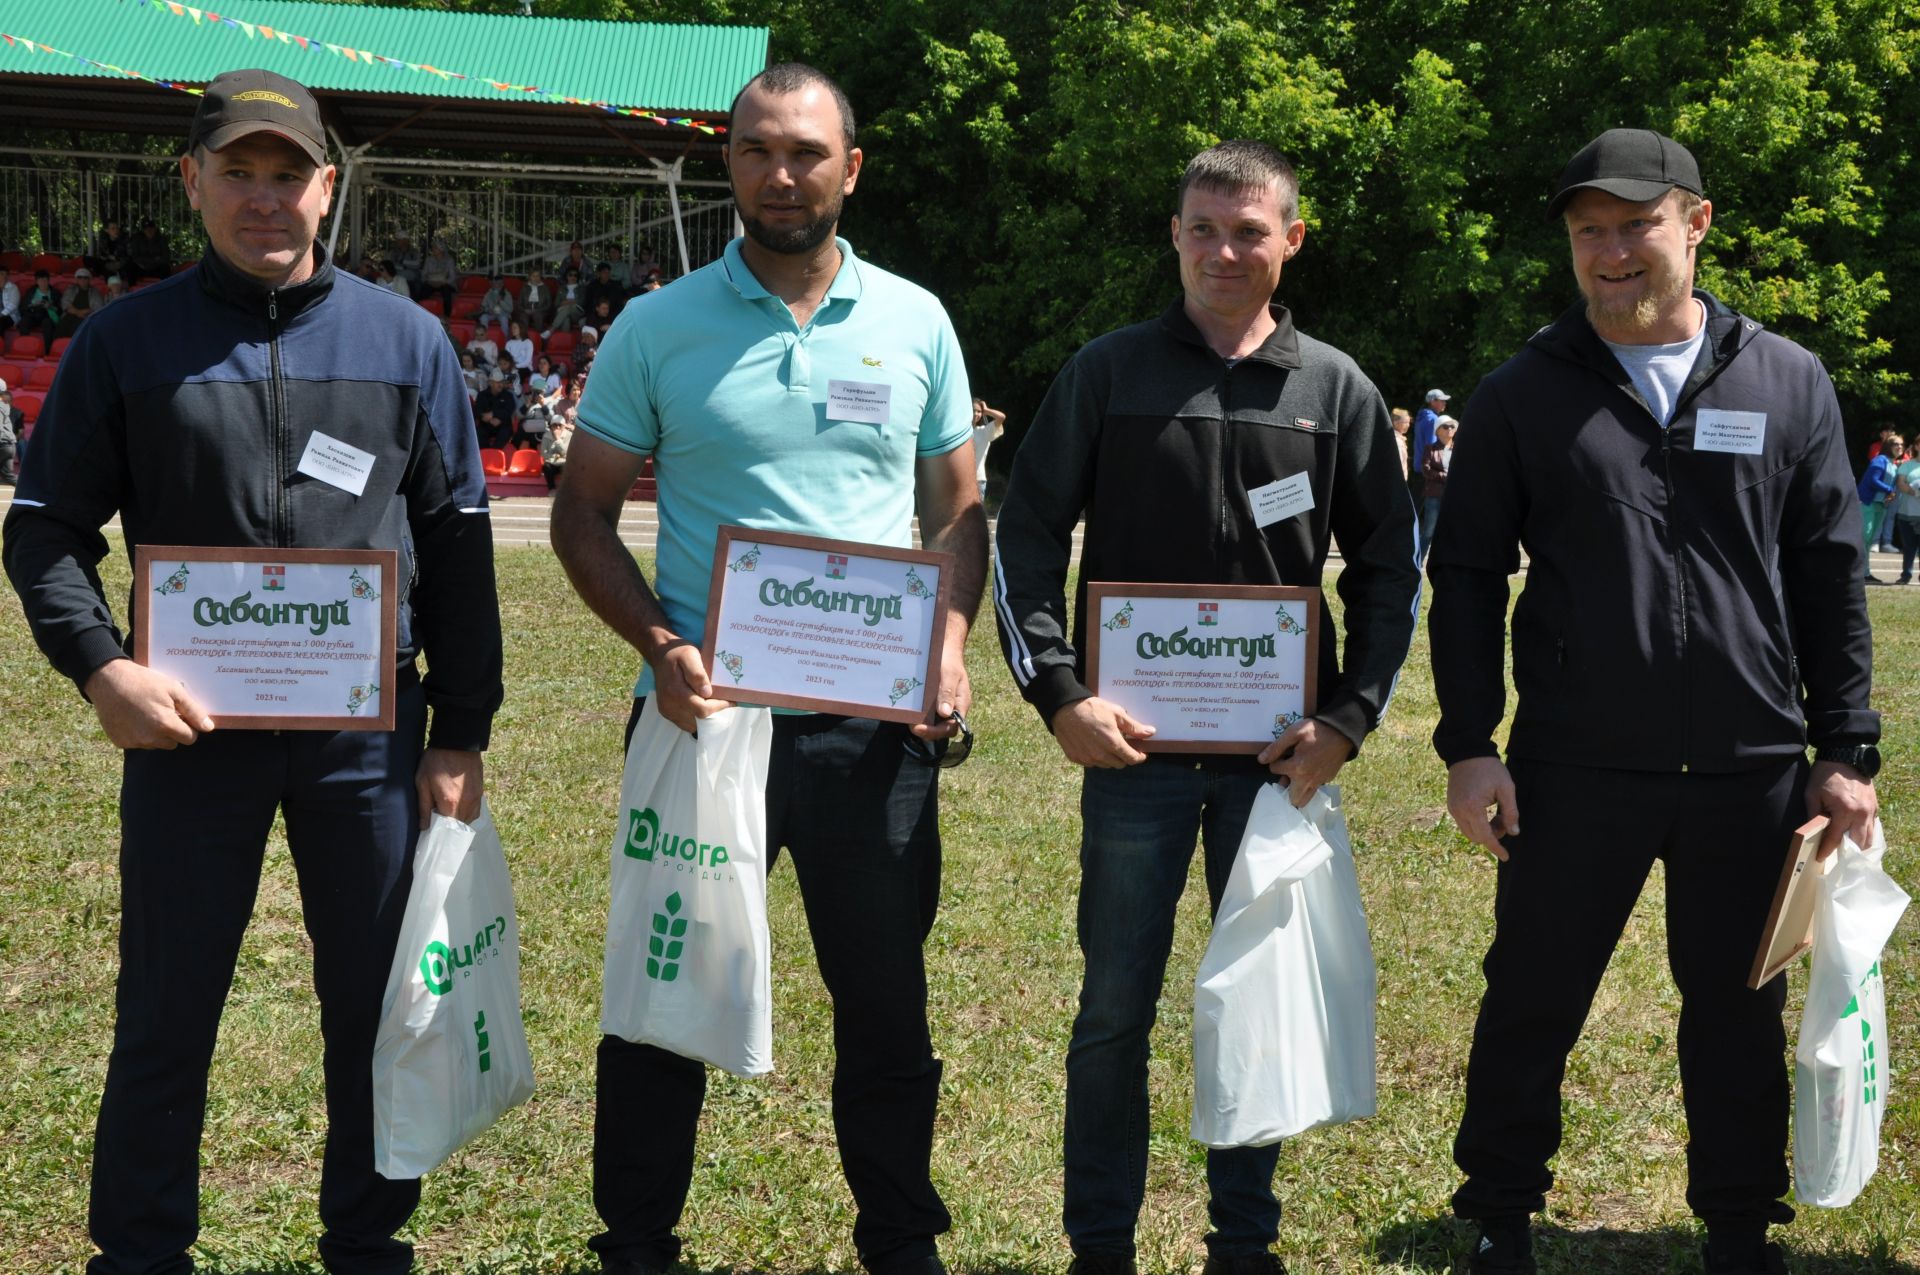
(1692, 619)
(192, 409)
(1163, 433)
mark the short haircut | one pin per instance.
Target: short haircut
(791, 77)
(1240, 166)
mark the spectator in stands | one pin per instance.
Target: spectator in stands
(110, 248)
(12, 426)
(408, 262)
(603, 290)
(493, 412)
(148, 256)
(486, 351)
(82, 282)
(10, 302)
(620, 269)
(576, 259)
(470, 373)
(585, 349)
(571, 304)
(368, 269)
(496, 307)
(387, 275)
(545, 386)
(653, 283)
(440, 276)
(505, 366)
(41, 310)
(553, 451)
(116, 288)
(519, 345)
(536, 301)
(646, 264)
(533, 424)
(74, 312)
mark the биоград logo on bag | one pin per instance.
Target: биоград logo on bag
(646, 842)
(439, 962)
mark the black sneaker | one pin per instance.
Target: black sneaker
(1765, 1260)
(1265, 1262)
(1503, 1247)
(1102, 1264)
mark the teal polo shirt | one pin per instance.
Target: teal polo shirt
(712, 378)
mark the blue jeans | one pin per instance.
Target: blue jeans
(1138, 829)
(1429, 521)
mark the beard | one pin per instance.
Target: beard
(794, 240)
(1665, 287)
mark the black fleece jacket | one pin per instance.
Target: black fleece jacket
(1158, 441)
(1685, 608)
(185, 408)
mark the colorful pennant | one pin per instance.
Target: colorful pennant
(253, 30)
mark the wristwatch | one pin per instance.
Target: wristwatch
(1864, 758)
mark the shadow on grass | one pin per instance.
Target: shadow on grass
(1436, 1245)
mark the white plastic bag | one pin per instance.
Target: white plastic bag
(1840, 1063)
(688, 964)
(1283, 1012)
(450, 1057)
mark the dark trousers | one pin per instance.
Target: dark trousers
(194, 825)
(1588, 840)
(860, 819)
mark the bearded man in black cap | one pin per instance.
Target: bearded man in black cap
(210, 438)
(1692, 621)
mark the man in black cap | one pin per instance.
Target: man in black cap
(209, 438)
(1692, 620)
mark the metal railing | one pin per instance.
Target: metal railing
(58, 206)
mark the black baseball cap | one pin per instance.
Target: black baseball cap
(1635, 164)
(237, 103)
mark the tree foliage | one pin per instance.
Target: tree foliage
(1022, 160)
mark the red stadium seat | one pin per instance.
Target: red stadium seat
(493, 462)
(13, 260)
(462, 330)
(560, 344)
(40, 377)
(432, 306)
(526, 463)
(14, 374)
(28, 401)
(466, 307)
(23, 348)
(474, 285)
(514, 284)
(59, 346)
(72, 264)
(50, 262)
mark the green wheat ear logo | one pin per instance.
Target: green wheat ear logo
(643, 833)
(666, 942)
(480, 1035)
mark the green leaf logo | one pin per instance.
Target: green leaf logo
(667, 941)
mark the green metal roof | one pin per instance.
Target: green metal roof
(672, 70)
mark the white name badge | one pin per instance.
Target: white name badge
(863, 401)
(1282, 499)
(1743, 433)
(336, 463)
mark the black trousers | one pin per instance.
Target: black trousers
(194, 825)
(1588, 839)
(860, 819)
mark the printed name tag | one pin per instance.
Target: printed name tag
(1282, 499)
(863, 401)
(336, 463)
(1743, 433)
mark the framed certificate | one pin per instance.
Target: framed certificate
(271, 639)
(1789, 930)
(1214, 668)
(806, 622)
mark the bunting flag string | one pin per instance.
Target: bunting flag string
(258, 31)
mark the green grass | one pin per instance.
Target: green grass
(767, 1193)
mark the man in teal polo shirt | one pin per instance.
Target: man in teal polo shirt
(723, 379)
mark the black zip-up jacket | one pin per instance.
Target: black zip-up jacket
(1684, 609)
(1158, 440)
(185, 408)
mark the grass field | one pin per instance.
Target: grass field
(767, 1194)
